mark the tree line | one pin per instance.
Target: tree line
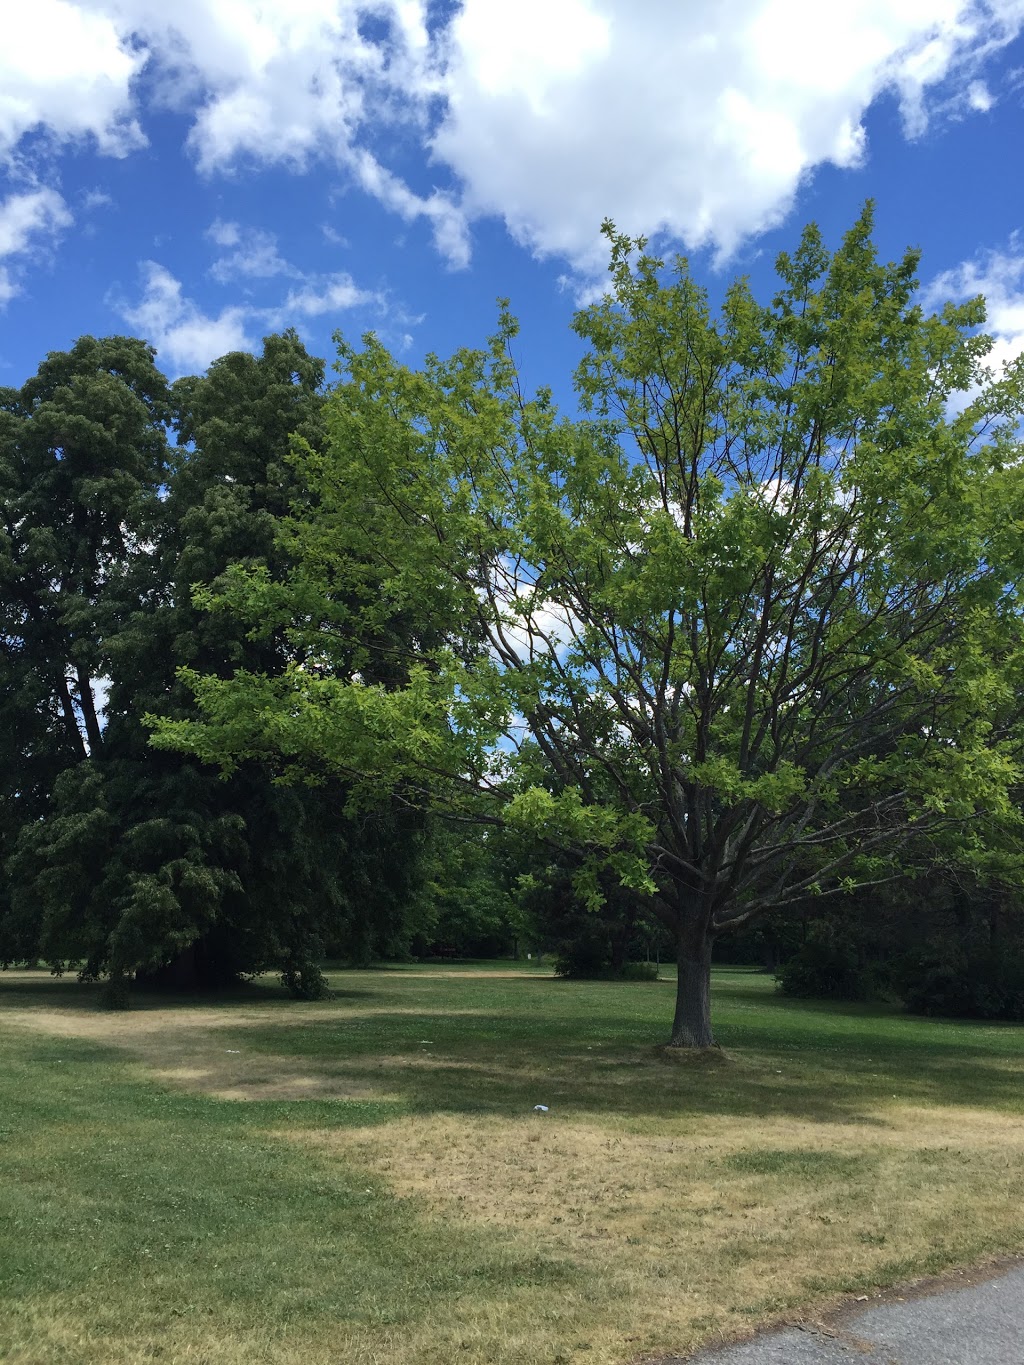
(740, 638)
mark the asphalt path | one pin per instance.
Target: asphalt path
(979, 1322)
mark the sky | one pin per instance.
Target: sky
(201, 173)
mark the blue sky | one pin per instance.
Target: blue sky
(203, 172)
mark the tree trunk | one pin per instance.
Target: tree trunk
(692, 1024)
(70, 719)
(86, 702)
(180, 974)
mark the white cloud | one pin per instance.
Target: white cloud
(25, 216)
(185, 337)
(291, 81)
(189, 338)
(326, 294)
(68, 68)
(25, 219)
(255, 256)
(696, 119)
(224, 234)
(699, 120)
(446, 217)
(265, 81)
(999, 276)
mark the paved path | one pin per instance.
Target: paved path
(979, 1324)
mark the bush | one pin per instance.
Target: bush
(636, 971)
(306, 982)
(579, 968)
(116, 994)
(585, 957)
(944, 979)
(827, 966)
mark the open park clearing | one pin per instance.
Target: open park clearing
(366, 1179)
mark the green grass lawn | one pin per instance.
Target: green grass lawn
(365, 1179)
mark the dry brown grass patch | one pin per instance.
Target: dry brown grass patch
(710, 1224)
(674, 1224)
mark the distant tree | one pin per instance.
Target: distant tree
(587, 941)
(465, 904)
(759, 611)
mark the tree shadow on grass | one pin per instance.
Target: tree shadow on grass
(42, 990)
(503, 1046)
(489, 1063)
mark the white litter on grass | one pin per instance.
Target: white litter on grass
(236, 1050)
(426, 1040)
(540, 1108)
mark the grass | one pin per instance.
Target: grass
(366, 1179)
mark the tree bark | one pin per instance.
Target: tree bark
(692, 1024)
(86, 702)
(70, 719)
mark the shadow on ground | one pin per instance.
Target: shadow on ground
(501, 1045)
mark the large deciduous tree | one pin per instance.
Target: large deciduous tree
(738, 634)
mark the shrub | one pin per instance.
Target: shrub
(827, 966)
(944, 979)
(116, 994)
(306, 982)
(580, 968)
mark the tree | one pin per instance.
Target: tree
(83, 453)
(122, 860)
(464, 906)
(754, 614)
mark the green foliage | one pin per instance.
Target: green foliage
(116, 994)
(828, 966)
(305, 982)
(757, 612)
(119, 859)
(83, 453)
(589, 941)
(463, 906)
(943, 979)
(585, 966)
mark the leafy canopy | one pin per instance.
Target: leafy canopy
(739, 632)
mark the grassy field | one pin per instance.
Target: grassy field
(366, 1180)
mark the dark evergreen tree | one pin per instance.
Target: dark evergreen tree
(120, 859)
(83, 455)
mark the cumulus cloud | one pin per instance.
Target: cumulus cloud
(698, 120)
(264, 82)
(68, 68)
(291, 81)
(26, 220)
(185, 337)
(24, 216)
(446, 217)
(999, 276)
